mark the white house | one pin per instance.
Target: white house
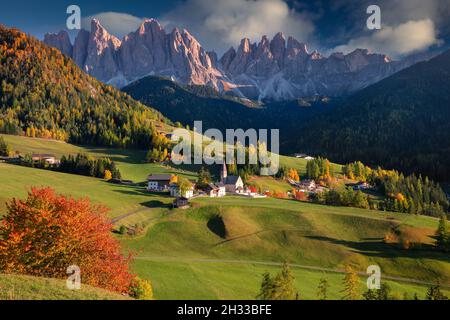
(303, 156)
(48, 158)
(215, 190)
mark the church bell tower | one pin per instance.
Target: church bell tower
(223, 173)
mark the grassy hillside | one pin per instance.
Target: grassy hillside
(17, 287)
(215, 249)
(130, 162)
(224, 280)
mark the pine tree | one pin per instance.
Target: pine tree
(384, 293)
(284, 282)
(4, 148)
(280, 287)
(350, 283)
(322, 289)
(442, 237)
(267, 288)
(204, 177)
(434, 293)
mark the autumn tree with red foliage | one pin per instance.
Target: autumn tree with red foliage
(300, 195)
(47, 232)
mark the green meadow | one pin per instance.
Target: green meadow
(219, 248)
(18, 287)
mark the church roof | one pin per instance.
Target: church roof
(231, 179)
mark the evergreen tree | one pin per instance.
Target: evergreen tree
(322, 289)
(434, 293)
(204, 178)
(280, 287)
(4, 148)
(442, 237)
(267, 288)
(384, 293)
(350, 283)
(284, 281)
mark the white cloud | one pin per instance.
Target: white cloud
(117, 23)
(221, 24)
(414, 35)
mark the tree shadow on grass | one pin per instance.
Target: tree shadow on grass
(375, 247)
(118, 155)
(216, 225)
(156, 204)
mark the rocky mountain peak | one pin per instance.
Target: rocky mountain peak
(61, 41)
(149, 25)
(245, 46)
(102, 38)
(295, 47)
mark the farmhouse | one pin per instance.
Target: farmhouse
(233, 184)
(361, 186)
(303, 156)
(307, 185)
(181, 203)
(159, 182)
(215, 190)
(47, 158)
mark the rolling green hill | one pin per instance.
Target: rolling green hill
(220, 247)
(130, 162)
(402, 122)
(18, 287)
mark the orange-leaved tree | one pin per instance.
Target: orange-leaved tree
(46, 233)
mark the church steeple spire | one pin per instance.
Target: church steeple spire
(223, 173)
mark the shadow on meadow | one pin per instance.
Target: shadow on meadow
(118, 155)
(376, 247)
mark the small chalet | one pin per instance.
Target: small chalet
(303, 156)
(307, 185)
(159, 182)
(47, 158)
(215, 190)
(181, 203)
(233, 184)
(361, 186)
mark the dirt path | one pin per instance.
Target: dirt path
(299, 266)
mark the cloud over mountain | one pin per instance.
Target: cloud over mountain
(119, 24)
(398, 40)
(221, 24)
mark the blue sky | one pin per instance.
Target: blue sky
(408, 25)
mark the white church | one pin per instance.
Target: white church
(233, 184)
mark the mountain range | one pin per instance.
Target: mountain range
(401, 122)
(276, 69)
